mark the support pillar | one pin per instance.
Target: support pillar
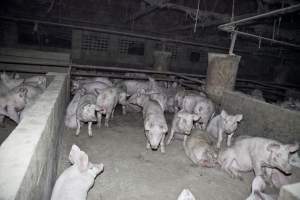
(162, 60)
(221, 74)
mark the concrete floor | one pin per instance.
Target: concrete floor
(131, 172)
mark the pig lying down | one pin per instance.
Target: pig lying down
(75, 182)
(155, 124)
(223, 123)
(254, 154)
(199, 149)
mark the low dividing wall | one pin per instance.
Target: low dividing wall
(261, 118)
(28, 157)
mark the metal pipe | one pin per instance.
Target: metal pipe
(274, 12)
(233, 39)
(115, 32)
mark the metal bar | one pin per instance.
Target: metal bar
(140, 14)
(267, 14)
(233, 39)
(115, 32)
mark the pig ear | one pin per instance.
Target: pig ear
(273, 147)
(224, 114)
(196, 117)
(83, 161)
(238, 118)
(292, 147)
(74, 154)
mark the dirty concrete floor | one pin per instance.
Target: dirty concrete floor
(133, 173)
(7, 129)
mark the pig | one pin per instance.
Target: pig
(133, 86)
(86, 112)
(201, 106)
(37, 81)
(9, 82)
(70, 118)
(75, 182)
(276, 178)
(180, 94)
(186, 194)
(77, 83)
(106, 102)
(255, 153)
(182, 123)
(12, 103)
(199, 149)
(257, 190)
(155, 124)
(223, 123)
(89, 87)
(161, 99)
(295, 160)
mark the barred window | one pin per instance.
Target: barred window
(130, 47)
(94, 42)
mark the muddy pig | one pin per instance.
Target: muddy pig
(255, 153)
(155, 124)
(86, 112)
(223, 123)
(182, 123)
(106, 102)
(75, 182)
(199, 149)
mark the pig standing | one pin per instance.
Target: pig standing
(201, 106)
(223, 123)
(155, 124)
(199, 149)
(75, 182)
(86, 112)
(255, 153)
(106, 102)
(257, 190)
(70, 118)
(12, 103)
(182, 123)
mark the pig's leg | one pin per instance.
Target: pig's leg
(123, 109)
(78, 127)
(107, 116)
(162, 144)
(170, 137)
(12, 113)
(220, 138)
(99, 117)
(112, 113)
(90, 129)
(148, 146)
(229, 137)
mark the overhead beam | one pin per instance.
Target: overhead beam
(141, 13)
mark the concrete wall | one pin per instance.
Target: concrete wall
(261, 118)
(28, 157)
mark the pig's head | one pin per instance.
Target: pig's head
(20, 98)
(138, 98)
(154, 133)
(10, 82)
(186, 120)
(122, 97)
(230, 121)
(81, 160)
(104, 98)
(279, 155)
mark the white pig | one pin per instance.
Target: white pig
(255, 153)
(161, 98)
(186, 194)
(75, 182)
(199, 149)
(201, 106)
(257, 190)
(106, 102)
(12, 103)
(86, 112)
(70, 118)
(155, 124)
(223, 123)
(182, 123)
(9, 82)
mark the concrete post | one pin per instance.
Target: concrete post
(162, 60)
(221, 74)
